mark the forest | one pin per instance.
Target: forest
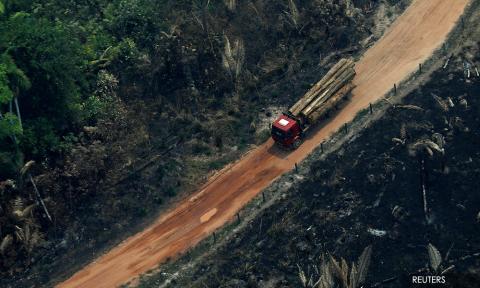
(111, 109)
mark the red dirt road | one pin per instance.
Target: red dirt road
(410, 41)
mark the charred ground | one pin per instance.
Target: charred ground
(373, 185)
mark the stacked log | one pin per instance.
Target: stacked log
(333, 86)
(313, 92)
(330, 103)
(340, 78)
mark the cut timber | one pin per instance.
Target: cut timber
(328, 88)
(331, 85)
(334, 100)
(313, 92)
(325, 85)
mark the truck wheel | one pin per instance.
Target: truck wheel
(297, 144)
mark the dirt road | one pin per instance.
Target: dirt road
(410, 41)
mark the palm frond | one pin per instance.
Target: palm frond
(6, 242)
(20, 234)
(293, 14)
(231, 4)
(24, 213)
(353, 277)
(441, 103)
(17, 204)
(434, 256)
(344, 273)
(326, 275)
(26, 167)
(363, 264)
(302, 276)
(233, 56)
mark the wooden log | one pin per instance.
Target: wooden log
(317, 88)
(330, 90)
(337, 76)
(335, 72)
(327, 81)
(330, 74)
(310, 95)
(344, 78)
(332, 101)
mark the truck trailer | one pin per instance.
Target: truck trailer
(290, 127)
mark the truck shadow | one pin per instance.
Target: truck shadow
(279, 151)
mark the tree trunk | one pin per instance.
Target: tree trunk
(19, 116)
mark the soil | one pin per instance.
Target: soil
(410, 41)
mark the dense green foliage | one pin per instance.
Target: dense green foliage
(41, 89)
(51, 54)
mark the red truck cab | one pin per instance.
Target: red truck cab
(287, 132)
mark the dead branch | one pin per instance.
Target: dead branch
(424, 189)
(410, 107)
(39, 198)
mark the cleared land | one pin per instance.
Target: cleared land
(410, 41)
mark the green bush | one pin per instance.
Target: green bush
(8, 164)
(170, 191)
(9, 126)
(39, 138)
(201, 148)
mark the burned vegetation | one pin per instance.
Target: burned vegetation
(406, 188)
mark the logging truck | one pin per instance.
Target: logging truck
(289, 129)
